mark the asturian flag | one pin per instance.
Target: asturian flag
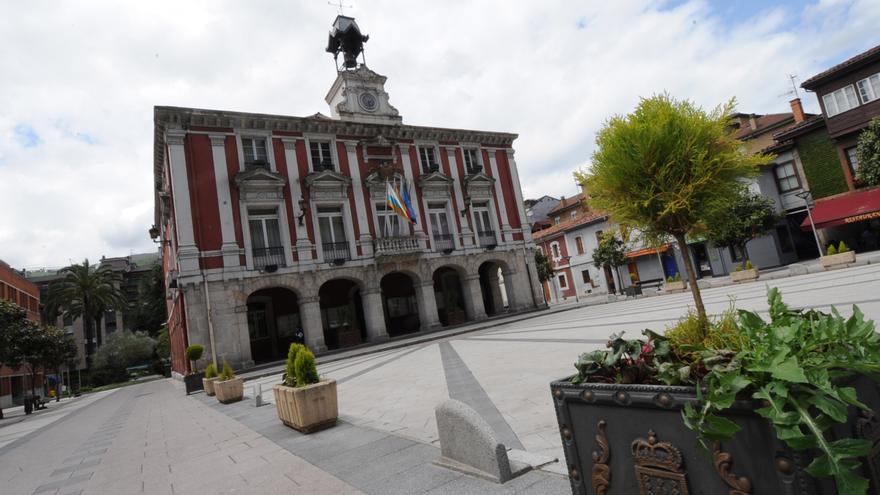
(394, 201)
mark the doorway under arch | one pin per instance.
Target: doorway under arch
(449, 293)
(342, 313)
(273, 319)
(492, 287)
(399, 304)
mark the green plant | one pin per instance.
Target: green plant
(750, 216)
(669, 280)
(677, 277)
(868, 154)
(210, 371)
(193, 354)
(661, 169)
(821, 164)
(227, 373)
(831, 250)
(749, 265)
(289, 378)
(737, 268)
(305, 368)
(842, 248)
(542, 266)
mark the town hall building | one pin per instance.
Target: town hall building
(274, 226)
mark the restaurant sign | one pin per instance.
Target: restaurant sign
(863, 216)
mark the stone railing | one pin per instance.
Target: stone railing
(396, 246)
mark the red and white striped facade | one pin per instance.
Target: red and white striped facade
(219, 200)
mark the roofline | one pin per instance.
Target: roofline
(808, 125)
(866, 57)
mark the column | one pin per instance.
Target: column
(371, 298)
(357, 189)
(408, 175)
(313, 325)
(229, 247)
(495, 289)
(517, 191)
(187, 252)
(303, 246)
(427, 306)
(499, 195)
(467, 237)
(473, 298)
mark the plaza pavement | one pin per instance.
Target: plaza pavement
(504, 371)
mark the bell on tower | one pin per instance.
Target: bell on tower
(346, 37)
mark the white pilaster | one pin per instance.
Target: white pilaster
(357, 189)
(187, 252)
(506, 231)
(303, 246)
(467, 235)
(408, 174)
(229, 248)
(517, 191)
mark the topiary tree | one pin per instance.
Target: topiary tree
(660, 169)
(610, 252)
(868, 154)
(193, 354)
(842, 248)
(289, 378)
(749, 216)
(305, 368)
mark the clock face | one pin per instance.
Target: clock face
(368, 102)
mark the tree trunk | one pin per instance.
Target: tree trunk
(692, 279)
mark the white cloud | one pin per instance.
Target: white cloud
(84, 76)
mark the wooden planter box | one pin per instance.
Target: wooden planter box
(630, 439)
(193, 382)
(675, 286)
(208, 384)
(744, 275)
(307, 409)
(839, 259)
(229, 390)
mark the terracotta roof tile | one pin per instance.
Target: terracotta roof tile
(567, 225)
(763, 124)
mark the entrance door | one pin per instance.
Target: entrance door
(609, 280)
(701, 260)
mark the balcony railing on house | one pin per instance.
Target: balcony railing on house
(487, 239)
(256, 164)
(268, 257)
(444, 242)
(336, 252)
(396, 246)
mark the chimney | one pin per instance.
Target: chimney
(752, 122)
(797, 110)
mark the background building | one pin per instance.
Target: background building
(14, 287)
(270, 223)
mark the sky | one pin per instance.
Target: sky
(79, 80)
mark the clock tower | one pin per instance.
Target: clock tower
(358, 93)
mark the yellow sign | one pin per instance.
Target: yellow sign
(864, 216)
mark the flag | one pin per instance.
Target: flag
(407, 203)
(394, 202)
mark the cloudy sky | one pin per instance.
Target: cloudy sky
(78, 81)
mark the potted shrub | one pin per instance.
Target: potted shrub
(841, 255)
(675, 284)
(744, 273)
(228, 388)
(193, 380)
(209, 379)
(304, 401)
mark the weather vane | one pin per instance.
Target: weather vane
(340, 6)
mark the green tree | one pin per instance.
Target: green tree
(543, 266)
(661, 168)
(12, 318)
(868, 154)
(610, 252)
(86, 292)
(749, 217)
(61, 349)
(122, 349)
(150, 311)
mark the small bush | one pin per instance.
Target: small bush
(686, 336)
(738, 268)
(677, 277)
(289, 378)
(831, 250)
(306, 371)
(842, 248)
(749, 265)
(194, 352)
(669, 280)
(210, 371)
(227, 373)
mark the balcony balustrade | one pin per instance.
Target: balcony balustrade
(444, 242)
(269, 256)
(336, 251)
(487, 239)
(396, 246)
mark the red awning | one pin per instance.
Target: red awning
(647, 251)
(846, 208)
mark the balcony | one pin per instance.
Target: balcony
(256, 164)
(336, 252)
(444, 243)
(388, 247)
(487, 239)
(269, 258)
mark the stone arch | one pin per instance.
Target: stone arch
(342, 312)
(496, 297)
(400, 303)
(450, 295)
(273, 322)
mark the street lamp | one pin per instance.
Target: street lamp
(808, 199)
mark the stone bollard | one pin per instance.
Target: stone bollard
(258, 394)
(468, 444)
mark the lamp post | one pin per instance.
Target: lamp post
(808, 199)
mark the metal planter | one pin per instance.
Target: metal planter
(630, 439)
(193, 382)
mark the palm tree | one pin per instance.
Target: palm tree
(86, 292)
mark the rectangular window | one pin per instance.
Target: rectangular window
(852, 159)
(586, 275)
(786, 177)
(472, 162)
(266, 246)
(785, 243)
(556, 220)
(254, 150)
(573, 214)
(332, 229)
(483, 224)
(563, 283)
(390, 223)
(321, 157)
(440, 231)
(840, 101)
(869, 88)
(579, 244)
(554, 248)
(427, 159)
